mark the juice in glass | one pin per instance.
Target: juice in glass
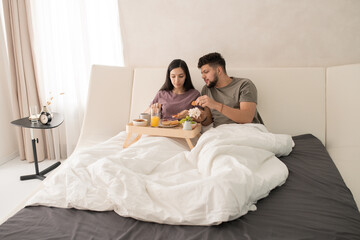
(155, 117)
(154, 121)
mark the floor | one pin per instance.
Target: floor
(13, 191)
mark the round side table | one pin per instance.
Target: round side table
(56, 121)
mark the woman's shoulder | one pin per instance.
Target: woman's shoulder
(193, 91)
(163, 92)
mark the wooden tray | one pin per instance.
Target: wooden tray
(176, 132)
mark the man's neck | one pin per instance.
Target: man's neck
(223, 81)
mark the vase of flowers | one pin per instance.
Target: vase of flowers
(50, 101)
(188, 123)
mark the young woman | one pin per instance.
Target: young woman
(175, 96)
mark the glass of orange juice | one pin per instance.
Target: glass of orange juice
(155, 117)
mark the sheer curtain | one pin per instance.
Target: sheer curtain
(69, 36)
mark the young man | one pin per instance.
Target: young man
(225, 99)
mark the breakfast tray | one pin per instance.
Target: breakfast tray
(176, 132)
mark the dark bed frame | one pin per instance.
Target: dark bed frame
(314, 203)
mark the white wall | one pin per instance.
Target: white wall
(342, 126)
(8, 145)
(249, 33)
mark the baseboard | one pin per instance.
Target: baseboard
(9, 157)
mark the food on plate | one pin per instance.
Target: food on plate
(139, 122)
(169, 122)
(187, 119)
(193, 103)
(174, 122)
(166, 123)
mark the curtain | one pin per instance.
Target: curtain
(69, 36)
(22, 75)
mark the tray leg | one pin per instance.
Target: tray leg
(127, 144)
(191, 146)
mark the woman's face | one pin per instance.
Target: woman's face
(177, 77)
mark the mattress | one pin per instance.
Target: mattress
(314, 203)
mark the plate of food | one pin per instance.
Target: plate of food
(169, 123)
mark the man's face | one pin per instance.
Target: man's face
(209, 75)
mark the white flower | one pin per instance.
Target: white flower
(194, 112)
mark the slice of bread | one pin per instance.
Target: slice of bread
(169, 123)
(166, 123)
(175, 122)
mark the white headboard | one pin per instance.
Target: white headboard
(108, 104)
(290, 100)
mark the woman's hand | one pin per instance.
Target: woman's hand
(156, 105)
(181, 114)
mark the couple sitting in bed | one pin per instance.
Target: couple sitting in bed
(223, 99)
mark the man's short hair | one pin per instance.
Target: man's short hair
(213, 59)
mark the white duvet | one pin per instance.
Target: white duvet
(158, 179)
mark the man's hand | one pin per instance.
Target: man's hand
(205, 101)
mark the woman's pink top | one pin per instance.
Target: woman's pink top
(174, 103)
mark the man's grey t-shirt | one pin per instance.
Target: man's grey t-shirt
(239, 90)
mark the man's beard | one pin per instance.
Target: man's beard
(213, 83)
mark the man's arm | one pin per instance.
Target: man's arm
(245, 114)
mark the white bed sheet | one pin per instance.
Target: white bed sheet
(157, 179)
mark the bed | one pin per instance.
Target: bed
(313, 203)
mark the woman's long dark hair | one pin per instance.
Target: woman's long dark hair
(177, 63)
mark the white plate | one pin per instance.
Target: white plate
(168, 126)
